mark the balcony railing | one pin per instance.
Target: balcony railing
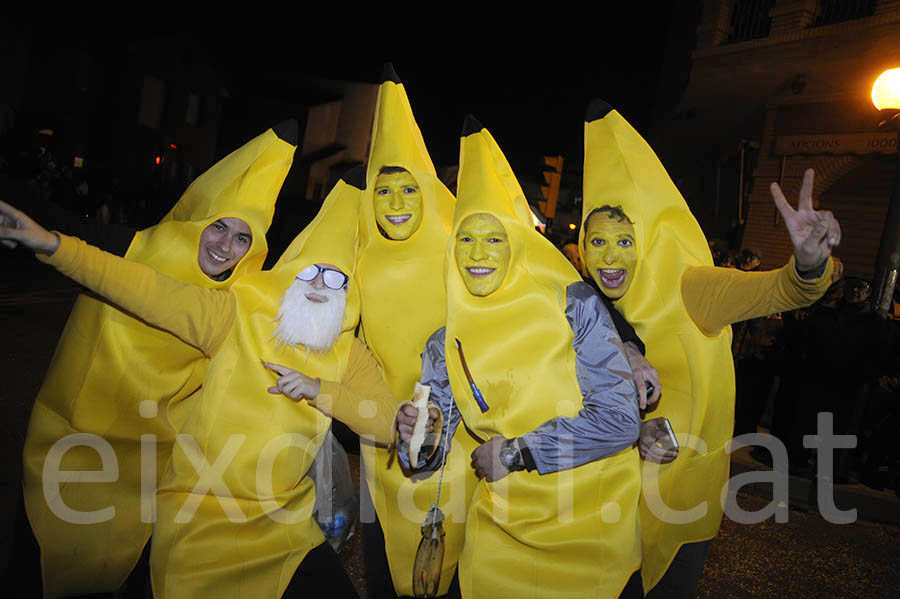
(829, 12)
(750, 20)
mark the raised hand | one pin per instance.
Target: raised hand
(16, 227)
(814, 233)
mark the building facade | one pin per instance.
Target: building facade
(776, 87)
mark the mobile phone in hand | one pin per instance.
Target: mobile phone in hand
(669, 441)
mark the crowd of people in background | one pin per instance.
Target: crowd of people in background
(37, 170)
(836, 356)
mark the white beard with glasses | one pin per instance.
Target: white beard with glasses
(303, 322)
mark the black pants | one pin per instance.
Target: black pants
(22, 575)
(680, 580)
(321, 573)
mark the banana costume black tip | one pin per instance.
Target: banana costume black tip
(356, 177)
(471, 125)
(390, 74)
(596, 110)
(287, 131)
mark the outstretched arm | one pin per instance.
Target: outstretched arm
(716, 297)
(196, 315)
(17, 228)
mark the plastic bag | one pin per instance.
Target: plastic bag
(337, 503)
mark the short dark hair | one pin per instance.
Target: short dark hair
(390, 170)
(612, 211)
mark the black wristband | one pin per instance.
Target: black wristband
(527, 458)
(813, 273)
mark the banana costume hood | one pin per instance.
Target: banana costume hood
(257, 533)
(403, 302)
(519, 348)
(696, 370)
(108, 362)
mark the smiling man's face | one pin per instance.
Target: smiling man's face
(482, 253)
(398, 204)
(222, 245)
(609, 253)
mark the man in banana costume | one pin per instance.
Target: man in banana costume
(117, 378)
(646, 251)
(234, 508)
(404, 223)
(530, 361)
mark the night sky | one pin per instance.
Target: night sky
(527, 84)
(527, 76)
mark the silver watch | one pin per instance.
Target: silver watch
(510, 456)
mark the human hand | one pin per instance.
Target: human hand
(642, 371)
(295, 385)
(406, 420)
(649, 445)
(814, 233)
(16, 227)
(486, 460)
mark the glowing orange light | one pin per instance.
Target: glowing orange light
(572, 226)
(886, 90)
(158, 160)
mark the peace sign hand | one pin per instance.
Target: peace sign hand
(814, 233)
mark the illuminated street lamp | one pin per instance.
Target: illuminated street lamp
(886, 90)
(886, 97)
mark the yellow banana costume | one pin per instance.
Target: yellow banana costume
(235, 505)
(253, 552)
(572, 533)
(108, 362)
(689, 347)
(403, 302)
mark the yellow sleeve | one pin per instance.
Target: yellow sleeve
(362, 400)
(716, 297)
(200, 317)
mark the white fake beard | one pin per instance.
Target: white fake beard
(313, 325)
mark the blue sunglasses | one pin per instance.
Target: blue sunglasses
(333, 279)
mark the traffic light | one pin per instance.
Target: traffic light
(552, 171)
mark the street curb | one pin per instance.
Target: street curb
(870, 504)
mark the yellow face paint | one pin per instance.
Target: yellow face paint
(609, 253)
(398, 204)
(482, 253)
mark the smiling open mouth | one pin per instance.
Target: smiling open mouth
(479, 272)
(316, 298)
(398, 219)
(612, 277)
(216, 256)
